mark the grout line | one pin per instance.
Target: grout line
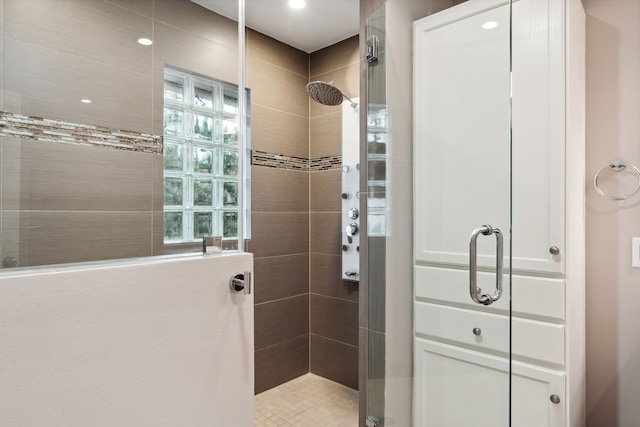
(333, 297)
(255, 104)
(281, 342)
(282, 256)
(281, 299)
(331, 339)
(309, 204)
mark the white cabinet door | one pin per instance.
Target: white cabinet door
(456, 387)
(461, 133)
(462, 146)
(538, 146)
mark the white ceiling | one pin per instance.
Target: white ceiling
(320, 24)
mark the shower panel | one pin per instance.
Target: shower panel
(326, 93)
(350, 193)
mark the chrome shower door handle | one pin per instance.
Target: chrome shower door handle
(475, 292)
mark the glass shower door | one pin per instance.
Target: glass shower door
(462, 216)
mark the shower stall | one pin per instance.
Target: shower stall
(122, 144)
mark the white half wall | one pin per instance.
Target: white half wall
(148, 343)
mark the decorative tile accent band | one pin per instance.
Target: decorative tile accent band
(325, 163)
(47, 130)
(280, 161)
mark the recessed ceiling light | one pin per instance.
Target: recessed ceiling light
(85, 101)
(490, 25)
(145, 41)
(297, 4)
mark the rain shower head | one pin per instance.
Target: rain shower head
(326, 93)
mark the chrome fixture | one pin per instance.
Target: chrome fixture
(371, 422)
(212, 244)
(476, 293)
(241, 282)
(372, 49)
(617, 166)
(327, 94)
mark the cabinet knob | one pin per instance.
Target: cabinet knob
(554, 250)
(477, 331)
(555, 399)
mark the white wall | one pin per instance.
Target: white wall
(613, 287)
(154, 343)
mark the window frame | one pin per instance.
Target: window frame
(221, 141)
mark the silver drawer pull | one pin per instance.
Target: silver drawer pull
(476, 295)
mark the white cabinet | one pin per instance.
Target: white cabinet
(468, 171)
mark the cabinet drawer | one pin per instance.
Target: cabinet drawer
(536, 297)
(533, 341)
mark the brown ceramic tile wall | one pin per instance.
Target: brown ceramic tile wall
(274, 75)
(334, 302)
(277, 74)
(75, 49)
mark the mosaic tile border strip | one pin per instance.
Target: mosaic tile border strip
(280, 161)
(47, 130)
(325, 163)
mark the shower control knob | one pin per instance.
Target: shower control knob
(353, 213)
(352, 229)
(241, 282)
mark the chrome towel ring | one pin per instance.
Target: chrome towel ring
(617, 166)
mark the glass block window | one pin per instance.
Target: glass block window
(201, 156)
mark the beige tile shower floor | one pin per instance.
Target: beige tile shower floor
(307, 401)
